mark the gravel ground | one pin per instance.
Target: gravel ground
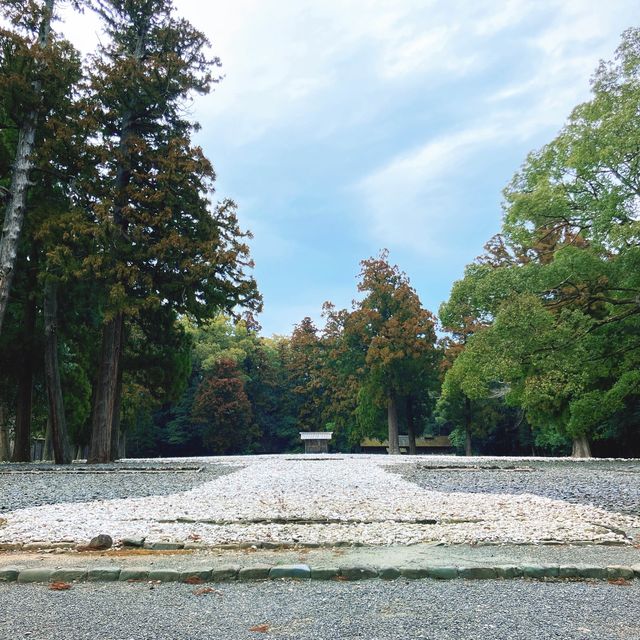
(25, 486)
(613, 485)
(323, 500)
(461, 610)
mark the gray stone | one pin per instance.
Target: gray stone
(388, 573)
(592, 572)
(568, 571)
(508, 571)
(538, 571)
(203, 574)
(636, 570)
(132, 542)
(297, 571)
(324, 573)
(443, 573)
(414, 573)
(477, 573)
(9, 574)
(35, 575)
(274, 545)
(164, 546)
(257, 572)
(225, 573)
(358, 572)
(69, 575)
(101, 542)
(138, 573)
(164, 575)
(616, 572)
(103, 574)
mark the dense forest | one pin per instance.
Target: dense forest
(128, 306)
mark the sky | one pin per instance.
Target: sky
(343, 127)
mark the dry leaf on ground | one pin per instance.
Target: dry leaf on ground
(59, 586)
(260, 628)
(621, 582)
(206, 590)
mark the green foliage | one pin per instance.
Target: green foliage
(554, 298)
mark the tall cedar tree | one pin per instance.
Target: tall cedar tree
(304, 366)
(158, 243)
(32, 21)
(38, 71)
(397, 337)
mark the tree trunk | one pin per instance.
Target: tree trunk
(22, 442)
(411, 427)
(59, 437)
(5, 454)
(117, 409)
(581, 447)
(23, 163)
(468, 451)
(392, 420)
(105, 393)
(47, 447)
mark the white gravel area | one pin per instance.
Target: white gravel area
(321, 499)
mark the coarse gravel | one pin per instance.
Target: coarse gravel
(613, 485)
(461, 610)
(321, 500)
(25, 486)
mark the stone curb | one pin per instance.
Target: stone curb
(233, 573)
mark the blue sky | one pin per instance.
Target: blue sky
(343, 126)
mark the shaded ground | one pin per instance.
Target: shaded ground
(33, 485)
(608, 484)
(460, 610)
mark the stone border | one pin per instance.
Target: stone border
(347, 573)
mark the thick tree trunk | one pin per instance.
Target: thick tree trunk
(117, 409)
(59, 437)
(468, 450)
(5, 454)
(581, 447)
(411, 427)
(22, 443)
(23, 163)
(104, 396)
(392, 420)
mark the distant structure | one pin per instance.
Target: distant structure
(316, 441)
(433, 444)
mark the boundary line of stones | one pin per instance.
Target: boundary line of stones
(232, 573)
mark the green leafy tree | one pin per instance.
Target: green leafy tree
(562, 300)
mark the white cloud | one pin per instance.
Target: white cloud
(413, 199)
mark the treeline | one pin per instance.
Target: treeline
(121, 284)
(108, 235)
(372, 370)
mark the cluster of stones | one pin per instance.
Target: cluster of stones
(232, 573)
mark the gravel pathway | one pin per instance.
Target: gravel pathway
(613, 485)
(25, 486)
(327, 500)
(491, 610)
